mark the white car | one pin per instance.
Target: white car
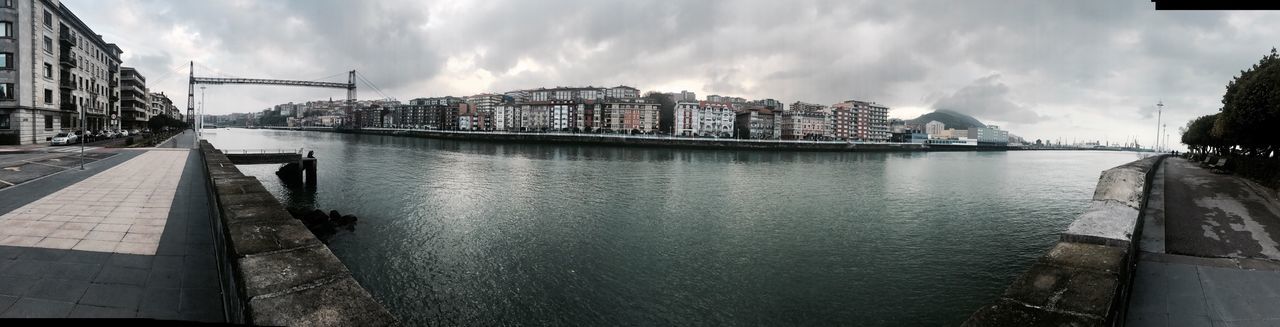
(124, 133)
(64, 139)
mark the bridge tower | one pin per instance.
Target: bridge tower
(191, 95)
(351, 93)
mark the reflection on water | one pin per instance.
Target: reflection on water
(475, 233)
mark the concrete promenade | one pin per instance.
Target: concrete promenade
(1209, 252)
(128, 237)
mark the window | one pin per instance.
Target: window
(48, 122)
(48, 44)
(6, 3)
(48, 19)
(6, 91)
(6, 60)
(6, 29)
(48, 70)
(48, 96)
(4, 121)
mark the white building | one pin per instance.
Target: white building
(703, 119)
(934, 128)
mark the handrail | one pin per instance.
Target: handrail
(262, 151)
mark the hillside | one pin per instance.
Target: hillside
(952, 119)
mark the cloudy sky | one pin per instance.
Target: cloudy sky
(1042, 69)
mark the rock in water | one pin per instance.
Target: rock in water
(315, 218)
(334, 216)
(347, 220)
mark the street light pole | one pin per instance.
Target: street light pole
(82, 136)
(201, 116)
(1159, 112)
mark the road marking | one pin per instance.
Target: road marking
(6, 182)
(15, 168)
(74, 149)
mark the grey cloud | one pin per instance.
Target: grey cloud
(987, 99)
(1105, 57)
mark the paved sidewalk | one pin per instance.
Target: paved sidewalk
(1221, 266)
(127, 238)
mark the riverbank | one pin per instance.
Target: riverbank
(667, 141)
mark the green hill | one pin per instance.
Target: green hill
(952, 119)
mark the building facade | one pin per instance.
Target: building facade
(755, 123)
(703, 118)
(803, 125)
(134, 105)
(869, 120)
(934, 127)
(53, 67)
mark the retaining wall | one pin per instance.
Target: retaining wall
(286, 277)
(1084, 279)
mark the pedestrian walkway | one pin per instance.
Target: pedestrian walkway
(129, 237)
(1208, 256)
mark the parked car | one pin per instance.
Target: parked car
(124, 133)
(64, 139)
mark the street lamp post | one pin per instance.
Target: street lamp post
(1159, 112)
(83, 134)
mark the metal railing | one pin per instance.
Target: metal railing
(261, 151)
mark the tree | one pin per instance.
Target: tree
(1251, 108)
(1198, 134)
(666, 110)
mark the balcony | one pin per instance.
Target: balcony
(68, 105)
(114, 68)
(67, 38)
(68, 84)
(67, 59)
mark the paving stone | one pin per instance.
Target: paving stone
(165, 278)
(130, 260)
(160, 300)
(74, 270)
(37, 308)
(114, 296)
(57, 289)
(90, 311)
(121, 275)
(16, 286)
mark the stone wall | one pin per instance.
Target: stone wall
(284, 274)
(1084, 279)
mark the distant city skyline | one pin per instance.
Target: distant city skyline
(1084, 70)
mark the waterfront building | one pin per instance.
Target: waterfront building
(53, 67)
(934, 128)
(630, 116)
(803, 125)
(807, 107)
(725, 99)
(841, 119)
(899, 126)
(990, 135)
(133, 99)
(869, 120)
(506, 117)
(578, 93)
(160, 104)
(534, 117)
(703, 118)
(952, 141)
(909, 136)
(682, 96)
(485, 105)
(755, 123)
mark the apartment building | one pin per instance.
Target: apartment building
(134, 105)
(53, 68)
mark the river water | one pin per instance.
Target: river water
(472, 233)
